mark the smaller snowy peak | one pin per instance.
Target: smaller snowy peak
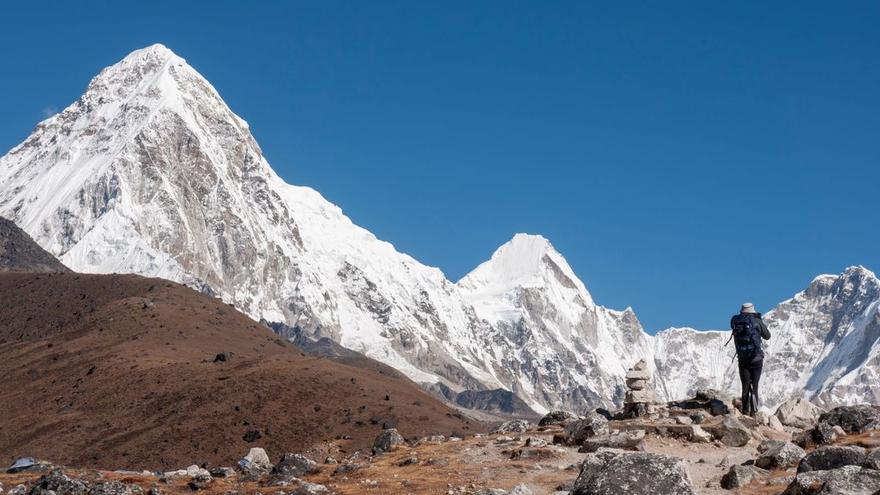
(526, 262)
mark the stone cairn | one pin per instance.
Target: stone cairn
(639, 400)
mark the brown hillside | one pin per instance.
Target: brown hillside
(19, 253)
(118, 371)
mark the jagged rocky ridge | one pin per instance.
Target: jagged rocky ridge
(150, 172)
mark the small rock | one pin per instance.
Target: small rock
(781, 456)
(346, 468)
(733, 433)
(520, 490)
(222, 472)
(872, 460)
(627, 440)
(305, 488)
(200, 481)
(684, 420)
(386, 441)
(222, 357)
(739, 476)
(591, 425)
(536, 442)
(699, 435)
(113, 488)
(330, 460)
(21, 464)
(296, 465)
(513, 426)
(775, 424)
(557, 418)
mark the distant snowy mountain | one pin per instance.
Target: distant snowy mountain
(150, 172)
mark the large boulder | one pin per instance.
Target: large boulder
(592, 425)
(561, 418)
(386, 441)
(853, 419)
(799, 413)
(612, 473)
(739, 476)
(782, 456)
(848, 480)
(832, 457)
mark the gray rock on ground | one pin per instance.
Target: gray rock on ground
(255, 464)
(872, 460)
(58, 483)
(113, 488)
(513, 426)
(825, 433)
(612, 473)
(733, 433)
(387, 440)
(853, 419)
(781, 456)
(832, 457)
(305, 488)
(625, 440)
(296, 465)
(848, 480)
(561, 418)
(798, 413)
(739, 476)
(591, 425)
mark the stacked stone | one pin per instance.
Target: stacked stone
(639, 398)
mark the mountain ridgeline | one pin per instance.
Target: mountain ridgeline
(150, 172)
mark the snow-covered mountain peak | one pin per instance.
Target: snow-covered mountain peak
(526, 261)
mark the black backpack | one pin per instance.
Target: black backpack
(746, 337)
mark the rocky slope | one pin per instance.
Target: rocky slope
(122, 371)
(19, 253)
(151, 173)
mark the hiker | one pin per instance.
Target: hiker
(748, 330)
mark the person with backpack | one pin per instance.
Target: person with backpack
(748, 330)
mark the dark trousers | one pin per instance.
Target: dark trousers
(749, 376)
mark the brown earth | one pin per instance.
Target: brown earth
(118, 372)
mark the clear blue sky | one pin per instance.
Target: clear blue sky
(683, 157)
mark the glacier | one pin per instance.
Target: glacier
(150, 172)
